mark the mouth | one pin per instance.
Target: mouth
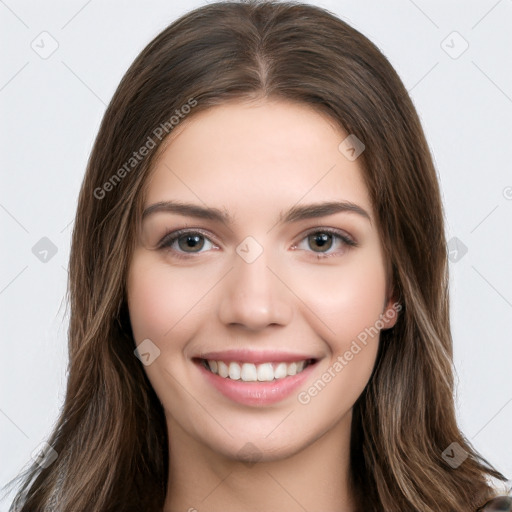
(251, 372)
(255, 383)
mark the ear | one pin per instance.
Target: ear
(391, 310)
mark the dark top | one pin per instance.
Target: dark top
(499, 504)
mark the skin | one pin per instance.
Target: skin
(254, 160)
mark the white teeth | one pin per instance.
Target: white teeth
(265, 372)
(249, 372)
(234, 371)
(223, 369)
(292, 368)
(281, 371)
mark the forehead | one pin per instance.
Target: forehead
(265, 155)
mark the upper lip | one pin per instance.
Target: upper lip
(255, 357)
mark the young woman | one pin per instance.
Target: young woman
(259, 286)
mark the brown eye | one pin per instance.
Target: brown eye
(190, 242)
(322, 241)
(183, 243)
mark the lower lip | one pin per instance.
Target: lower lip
(257, 393)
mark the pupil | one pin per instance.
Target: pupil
(321, 239)
(191, 240)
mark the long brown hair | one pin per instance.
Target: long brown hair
(111, 437)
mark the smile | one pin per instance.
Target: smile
(249, 372)
(256, 383)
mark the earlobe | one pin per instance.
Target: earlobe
(390, 313)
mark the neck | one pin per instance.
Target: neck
(314, 478)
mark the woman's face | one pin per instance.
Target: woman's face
(275, 284)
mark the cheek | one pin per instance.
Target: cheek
(347, 310)
(153, 302)
(165, 305)
(144, 303)
(344, 301)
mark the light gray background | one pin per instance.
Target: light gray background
(51, 110)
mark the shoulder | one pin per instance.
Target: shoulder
(498, 504)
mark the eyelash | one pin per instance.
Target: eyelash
(169, 239)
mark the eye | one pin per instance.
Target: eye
(184, 243)
(324, 240)
(188, 242)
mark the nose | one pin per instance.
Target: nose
(254, 295)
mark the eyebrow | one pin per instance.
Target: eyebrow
(294, 214)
